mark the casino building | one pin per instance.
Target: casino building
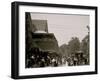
(39, 42)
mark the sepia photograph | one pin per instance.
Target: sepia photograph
(54, 40)
(50, 40)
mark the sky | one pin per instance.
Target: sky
(65, 26)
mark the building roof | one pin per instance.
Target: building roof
(45, 42)
(40, 25)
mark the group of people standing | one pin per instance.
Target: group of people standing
(38, 58)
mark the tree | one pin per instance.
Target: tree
(74, 45)
(64, 49)
(85, 45)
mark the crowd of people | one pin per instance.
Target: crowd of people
(76, 60)
(36, 58)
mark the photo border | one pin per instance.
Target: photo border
(15, 39)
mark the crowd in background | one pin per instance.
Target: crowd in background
(37, 58)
